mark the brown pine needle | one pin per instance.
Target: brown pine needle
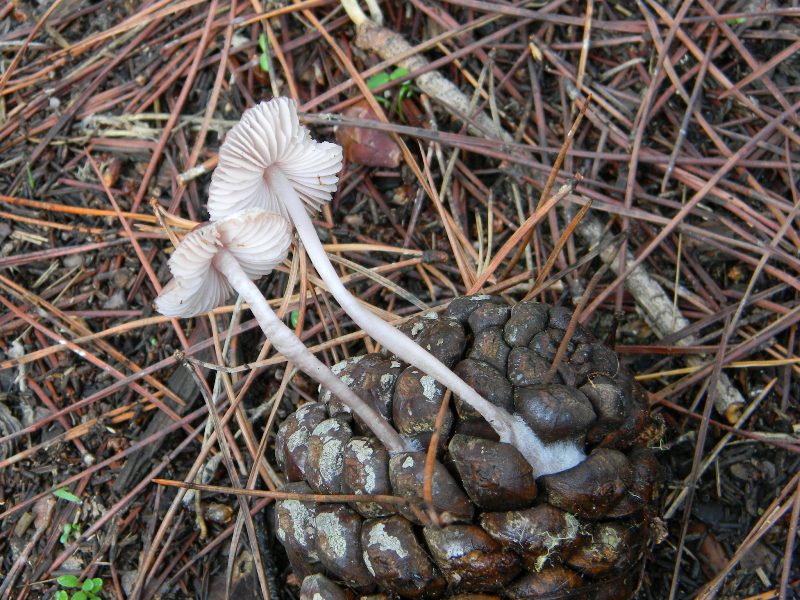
(274, 495)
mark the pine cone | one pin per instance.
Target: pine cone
(494, 530)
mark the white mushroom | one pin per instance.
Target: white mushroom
(219, 258)
(268, 160)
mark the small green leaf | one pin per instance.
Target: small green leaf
(398, 73)
(67, 581)
(97, 584)
(377, 80)
(65, 494)
(29, 173)
(62, 595)
(263, 60)
(87, 586)
(65, 535)
(737, 21)
(382, 101)
(294, 317)
(80, 596)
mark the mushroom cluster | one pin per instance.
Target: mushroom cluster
(271, 170)
(248, 237)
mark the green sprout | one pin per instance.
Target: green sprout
(263, 60)
(69, 530)
(377, 80)
(29, 173)
(383, 78)
(65, 494)
(88, 590)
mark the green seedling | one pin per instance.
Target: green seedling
(405, 87)
(263, 60)
(383, 78)
(377, 80)
(87, 590)
(65, 494)
(70, 530)
(29, 173)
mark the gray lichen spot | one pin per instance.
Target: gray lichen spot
(362, 450)
(302, 525)
(416, 329)
(428, 386)
(454, 549)
(297, 439)
(330, 461)
(408, 462)
(432, 316)
(369, 484)
(301, 412)
(300, 516)
(335, 535)
(385, 542)
(368, 563)
(327, 426)
(339, 367)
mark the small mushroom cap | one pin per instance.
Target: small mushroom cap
(258, 239)
(269, 136)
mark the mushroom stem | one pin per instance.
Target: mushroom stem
(293, 349)
(395, 341)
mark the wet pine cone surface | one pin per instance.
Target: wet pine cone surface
(494, 531)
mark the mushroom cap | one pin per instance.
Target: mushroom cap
(259, 240)
(269, 136)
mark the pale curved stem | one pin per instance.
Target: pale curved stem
(286, 342)
(354, 11)
(375, 11)
(386, 335)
